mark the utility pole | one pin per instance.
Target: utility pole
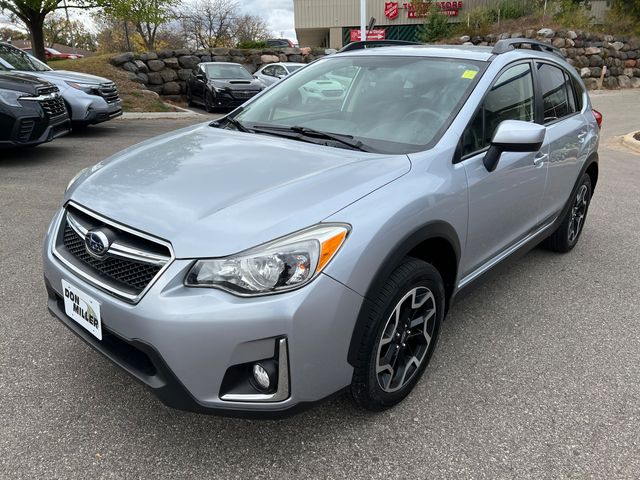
(363, 20)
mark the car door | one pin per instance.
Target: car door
(566, 135)
(504, 205)
(267, 75)
(280, 72)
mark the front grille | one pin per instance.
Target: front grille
(243, 94)
(109, 92)
(134, 275)
(130, 265)
(53, 107)
(26, 130)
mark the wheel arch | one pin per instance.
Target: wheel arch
(592, 170)
(436, 243)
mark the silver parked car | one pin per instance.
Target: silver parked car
(89, 99)
(274, 72)
(290, 251)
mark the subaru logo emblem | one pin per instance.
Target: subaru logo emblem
(97, 243)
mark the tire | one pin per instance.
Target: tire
(208, 103)
(568, 233)
(378, 382)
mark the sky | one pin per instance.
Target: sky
(277, 13)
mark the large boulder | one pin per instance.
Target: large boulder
(611, 82)
(596, 61)
(624, 81)
(141, 78)
(559, 42)
(188, 61)
(142, 67)
(592, 51)
(546, 33)
(184, 74)
(591, 83)
(634, 82)
(221, 58)
(171, 88)
(165, 53)
(181, 52)
(169, 75)
(269, 59)
(585, 72)
(171, 62)
(129, 67)
(154, 78)
(223, 51)
(118, 60)
(155, 88)
(155, 65)
(146, 56)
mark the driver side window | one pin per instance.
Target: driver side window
(510, 98)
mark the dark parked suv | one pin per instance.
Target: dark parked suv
(31, 111)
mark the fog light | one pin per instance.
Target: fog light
(261, 377)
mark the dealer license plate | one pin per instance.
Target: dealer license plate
(83, 309)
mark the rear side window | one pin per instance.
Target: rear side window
(510, 98)
(558, 97)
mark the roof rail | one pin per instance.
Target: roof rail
(373, 44)
(503, 46)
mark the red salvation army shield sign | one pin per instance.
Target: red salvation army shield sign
(391, 10)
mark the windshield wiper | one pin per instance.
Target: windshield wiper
(344, 139)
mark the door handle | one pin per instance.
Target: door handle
(540, 158)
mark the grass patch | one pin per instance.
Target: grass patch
(134, 97)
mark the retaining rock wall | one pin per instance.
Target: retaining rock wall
(166, 71)
(587, 52)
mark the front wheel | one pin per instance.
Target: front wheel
(404, 323)
(568, 233)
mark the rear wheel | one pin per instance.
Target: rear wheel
(404, 323)
(568, 233)
(189, 98)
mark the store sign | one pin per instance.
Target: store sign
(391, 10)
(451, 9)
(375, 34)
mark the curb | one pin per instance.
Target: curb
(630, 142)
(160, 115)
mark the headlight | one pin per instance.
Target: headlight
(75, 177)
(11, 97)
(284, 264)
(85, 87)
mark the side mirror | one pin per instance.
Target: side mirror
(514, 136)
(200, 76)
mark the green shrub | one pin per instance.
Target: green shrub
(510, 9)
(436, 27)
(571, 14)
(252, 44)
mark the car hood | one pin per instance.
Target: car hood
(67, 76)
(213, 192)
(237, 84)
(21, 82)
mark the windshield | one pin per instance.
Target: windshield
(15, 59)
(389, 104)
(54, 51)
(227, 71)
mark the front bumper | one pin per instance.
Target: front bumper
(227, 100)
(28, 126)
(181, 341)
(90, 109)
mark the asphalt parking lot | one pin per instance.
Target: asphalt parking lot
(537, 374)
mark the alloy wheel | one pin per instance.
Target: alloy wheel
(405, 340)
(578, 213)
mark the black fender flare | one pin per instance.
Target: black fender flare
(436, 229)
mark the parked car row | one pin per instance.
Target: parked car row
(223, 85)
(38, 104)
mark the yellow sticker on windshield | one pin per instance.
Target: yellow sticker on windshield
(469, 74)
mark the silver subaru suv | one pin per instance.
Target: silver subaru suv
(294, 250)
